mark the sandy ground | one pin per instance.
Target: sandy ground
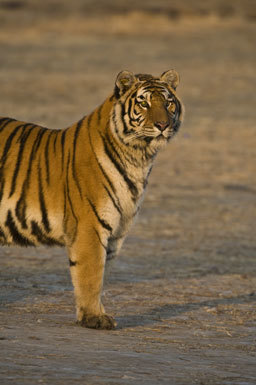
(183, 289)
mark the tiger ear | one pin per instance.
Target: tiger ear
(171, 77)
(124, 81)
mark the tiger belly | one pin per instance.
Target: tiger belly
(25, 225)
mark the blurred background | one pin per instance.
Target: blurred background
(59, 58)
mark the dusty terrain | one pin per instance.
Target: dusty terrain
(183, 289)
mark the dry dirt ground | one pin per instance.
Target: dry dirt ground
(183, 289)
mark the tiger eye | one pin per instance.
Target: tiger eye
(144, 104)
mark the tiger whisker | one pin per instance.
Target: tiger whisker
(145, 133)
(135, 135)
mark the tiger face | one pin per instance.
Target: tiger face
(148, 112)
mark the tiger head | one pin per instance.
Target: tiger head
(147, 112)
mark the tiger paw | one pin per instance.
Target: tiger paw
(103, 322)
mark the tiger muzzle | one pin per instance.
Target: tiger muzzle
(161, 125)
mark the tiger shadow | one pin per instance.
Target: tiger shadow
(169, 311)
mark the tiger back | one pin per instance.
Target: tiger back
(81, 187)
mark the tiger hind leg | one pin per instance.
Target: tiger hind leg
(87, 263)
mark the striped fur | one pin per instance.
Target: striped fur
(81, 187)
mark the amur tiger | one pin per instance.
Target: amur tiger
(81, 187)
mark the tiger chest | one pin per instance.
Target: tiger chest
(119, 209)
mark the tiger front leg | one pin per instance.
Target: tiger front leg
(87, 263)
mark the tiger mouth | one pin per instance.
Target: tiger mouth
(166, 134)
(161, 136)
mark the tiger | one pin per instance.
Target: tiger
(82, 186)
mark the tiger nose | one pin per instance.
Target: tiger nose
(161, 125)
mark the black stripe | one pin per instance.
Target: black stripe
(132, 187)
(24, 126)
(2, 183)
(8, 144)
(34, 149)
(153, 87)
(100, 166)
(130, 108)
(2, 235)
(68, 194)
(117, 206)
(126, 129)
(177, 113)
(42, 238)
(135, 112)
(63, 137)
(20, 211)
(42, 131)
(46, 156)
(89, 119)
(98, 235)
(113, 148)
(17, 237)
(137, 119)
(117, 92)
(114, 121)
(23, 139)
(116, 129)
(3, 119)
(78, 126)
(4, 156)
(101, 221)
(9, 120)
(99, 113)
(146, 180)
(43, 209)
(55, 140)
(65, 203)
